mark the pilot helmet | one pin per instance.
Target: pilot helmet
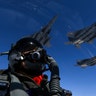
(27, 56)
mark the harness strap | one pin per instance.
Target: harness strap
(16, 88)
(4, 85)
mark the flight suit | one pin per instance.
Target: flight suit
(13, 84)
(20, 85)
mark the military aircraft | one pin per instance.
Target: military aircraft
(87, 34)
(42, 35)
(87, 62)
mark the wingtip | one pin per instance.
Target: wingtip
(4, 53)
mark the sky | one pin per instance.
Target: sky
(19, 18)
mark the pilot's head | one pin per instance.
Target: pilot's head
(27, 57)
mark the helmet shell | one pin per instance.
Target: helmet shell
(15, 55)
(26, 44)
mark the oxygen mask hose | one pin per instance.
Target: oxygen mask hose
(54, 82)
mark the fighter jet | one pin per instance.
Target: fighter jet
(43, 35)
(87, 62)
(87, 34)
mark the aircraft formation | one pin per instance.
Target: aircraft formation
(87, 34)
(84, 35)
